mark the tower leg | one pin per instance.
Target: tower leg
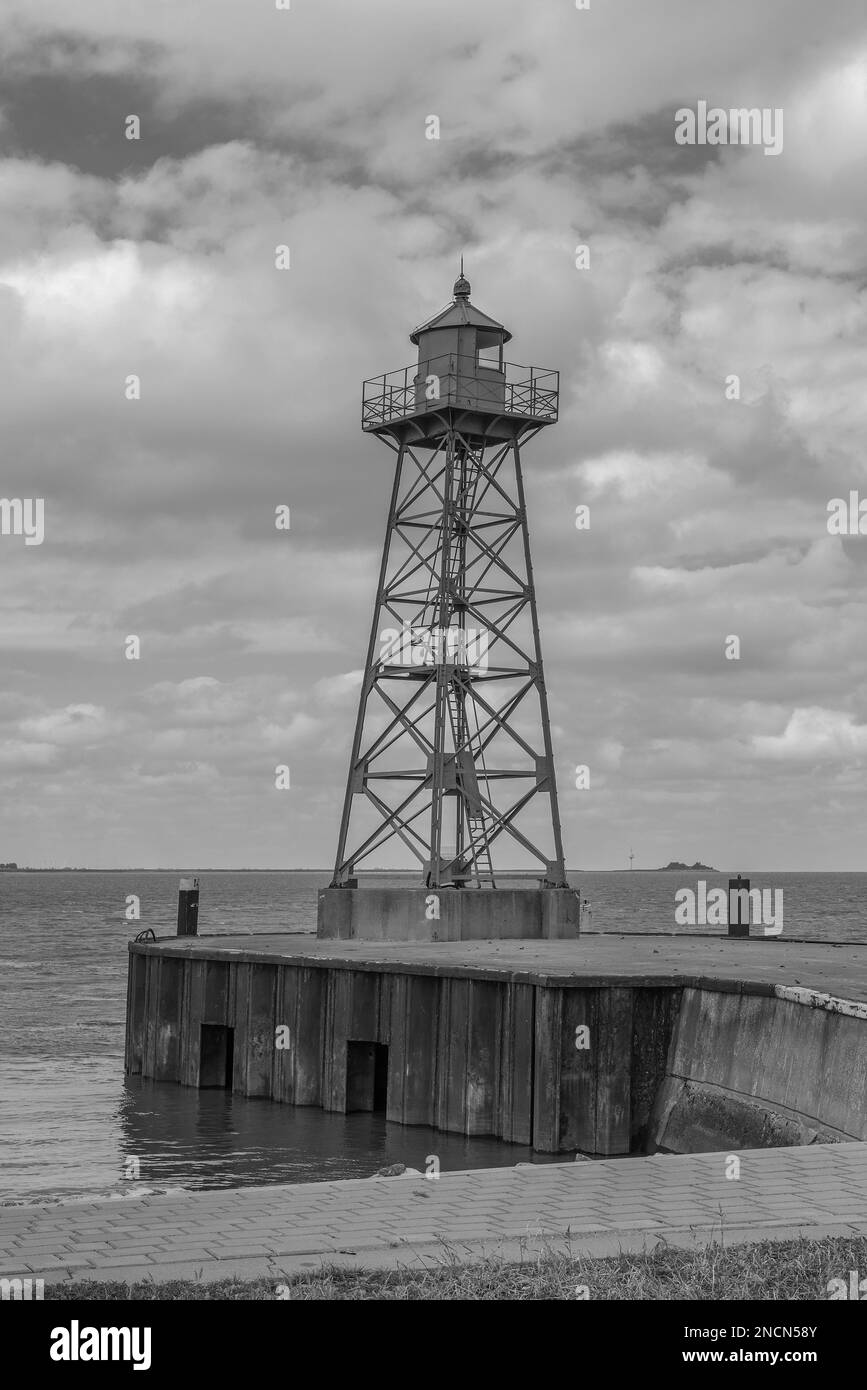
(343, 869)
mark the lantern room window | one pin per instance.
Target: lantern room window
(489, 350)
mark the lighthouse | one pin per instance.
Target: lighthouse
(451, 771)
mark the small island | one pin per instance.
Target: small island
(688, 868)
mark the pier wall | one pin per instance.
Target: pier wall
(460, 1050)
(660, 1066)
(757, 1071)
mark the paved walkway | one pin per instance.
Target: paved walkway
(597, 1207)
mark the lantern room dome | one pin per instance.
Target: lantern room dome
(460, 314)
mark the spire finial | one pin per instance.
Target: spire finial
(462, 284)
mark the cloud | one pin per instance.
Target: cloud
(74, 725)
(816, 735)
(306, 128)
(18, 756)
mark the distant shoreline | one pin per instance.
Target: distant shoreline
(403, 873)
(675, 866)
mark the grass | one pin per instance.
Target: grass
(766, 1270)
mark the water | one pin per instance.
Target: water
(73, 1125)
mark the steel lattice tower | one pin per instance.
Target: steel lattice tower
(452, 740)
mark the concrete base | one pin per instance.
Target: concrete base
(447, 914)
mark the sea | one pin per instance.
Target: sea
(73, 1127)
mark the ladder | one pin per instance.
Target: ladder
(480, 849)
(466, 751)
(470, 802)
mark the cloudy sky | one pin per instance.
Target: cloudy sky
(306, 127)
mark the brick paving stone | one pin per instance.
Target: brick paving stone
(42, 1241)
(128, 1274)
(88, 1248)
(119, 1261)
(237, 1252)
(37, 1263)
(304, 1247)
(149, 1250)
(157, 1256)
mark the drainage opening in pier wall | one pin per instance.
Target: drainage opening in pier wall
(366, 1076)
(216, 1056)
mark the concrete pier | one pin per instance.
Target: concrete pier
(611, 1044)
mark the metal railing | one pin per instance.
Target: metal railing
(528, 392)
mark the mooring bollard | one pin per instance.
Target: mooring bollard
(739, 908)
(188, 907)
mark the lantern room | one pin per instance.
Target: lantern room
(460, 357)
(460, 368)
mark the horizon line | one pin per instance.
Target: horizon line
(313, 869)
